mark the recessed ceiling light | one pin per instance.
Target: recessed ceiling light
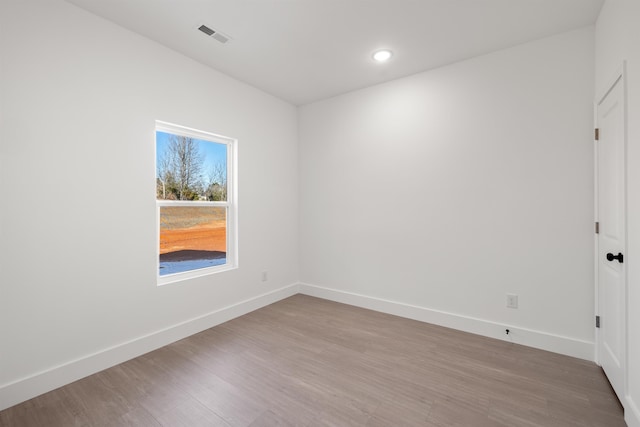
(382, 55)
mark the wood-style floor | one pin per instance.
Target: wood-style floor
(308, 362)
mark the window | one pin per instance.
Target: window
(195, 203)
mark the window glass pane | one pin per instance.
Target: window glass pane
(192, 237)
(190, 169)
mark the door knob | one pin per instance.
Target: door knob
(611, 257)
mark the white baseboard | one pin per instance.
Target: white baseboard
(42, 382)
(531, 338)
(631, 412)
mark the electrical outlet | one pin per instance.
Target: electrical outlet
(265, 276)
(512, 301)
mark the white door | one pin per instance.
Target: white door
(611, 237)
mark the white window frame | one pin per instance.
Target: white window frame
(231, 204)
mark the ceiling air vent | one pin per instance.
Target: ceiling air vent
(208, 31)
(214, 33)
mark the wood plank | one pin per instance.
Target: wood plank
(309, 362)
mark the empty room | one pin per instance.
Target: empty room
(320, 213)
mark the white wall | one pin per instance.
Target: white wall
(617, 39)
(434, 196)
(79, 99)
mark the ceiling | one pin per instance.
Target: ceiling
(307, 50)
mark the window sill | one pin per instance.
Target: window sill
(187, 275)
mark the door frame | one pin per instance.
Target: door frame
(619, 77)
